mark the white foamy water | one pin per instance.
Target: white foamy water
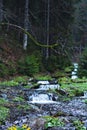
(85, 94)
(48, 86)
(41, 96)
(74, 72)
(43, 102)
(43, 82)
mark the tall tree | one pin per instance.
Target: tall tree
(26, 24)
(1, 10)
(48, 20)
(80, 25)
(83, 21)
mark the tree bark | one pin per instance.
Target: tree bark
(26, 24)
(48, 16)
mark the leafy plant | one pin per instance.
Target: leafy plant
(52, 121)
(79, 125)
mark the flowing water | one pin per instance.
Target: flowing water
(74, 72)
(41, 95)
(48, 86)
(45, 103)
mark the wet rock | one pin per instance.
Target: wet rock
(32, 80)
(38, 124)
(62, 92)
(3, 95)
(56, 128)
(36, 108)
(63, 128)
(53, 81)
(85, 123)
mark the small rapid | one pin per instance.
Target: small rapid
(41, 94)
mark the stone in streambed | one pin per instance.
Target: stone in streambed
(38, 124)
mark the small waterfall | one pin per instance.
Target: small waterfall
(74, 72)
(41, 98)
(41, 95)
(48, 86)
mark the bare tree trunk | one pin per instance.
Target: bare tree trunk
(48, 16)
(1, 10)
(26, 24)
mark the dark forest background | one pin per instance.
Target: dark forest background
(58, 28)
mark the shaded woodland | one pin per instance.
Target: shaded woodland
(58, 30)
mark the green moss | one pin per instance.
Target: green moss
(24, 107)
(21, 79)
(65, 99)
(18, 99)
(9, 83)
(85, 101)
(3, 101)
(27, 87)
(42, 77)
(4, 112)
(75, 89)
(78, 80)
(64, 80)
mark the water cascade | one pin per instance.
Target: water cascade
(41, 95)
(74, 72)
(41, 98)
(48, 86)
(85, 94)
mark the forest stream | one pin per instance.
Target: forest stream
(43, 65)
(40, 102)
